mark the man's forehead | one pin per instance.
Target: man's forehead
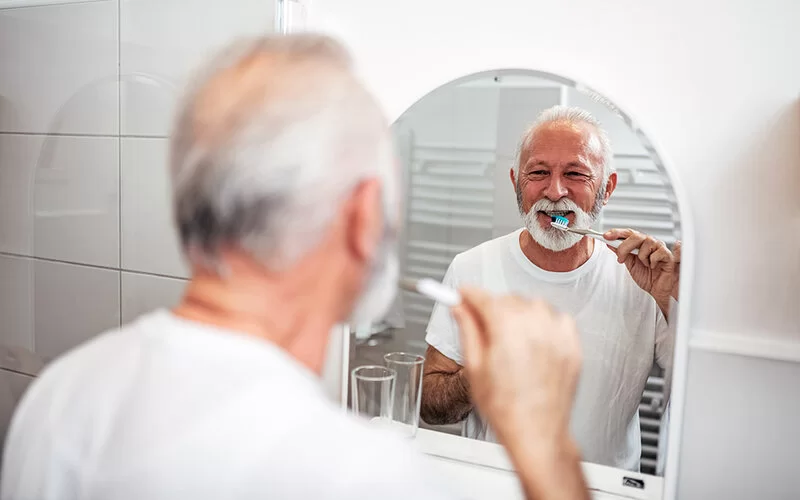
(559, 141)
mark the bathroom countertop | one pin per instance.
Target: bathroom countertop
(479, 470)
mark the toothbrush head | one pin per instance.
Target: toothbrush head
(559, 222)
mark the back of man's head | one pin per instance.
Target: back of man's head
(269, 140)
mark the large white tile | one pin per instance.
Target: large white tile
(58, 69)
(142, 293)
(164, 40)
(20, 359)
(49, 307)
(59, 198)
(16, 302)
(149, 240)
(12, 388)
(518, 108)
(451, 118)
(71, 305)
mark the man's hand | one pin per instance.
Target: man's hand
(522, 360)
(655, 269)
(676, 255)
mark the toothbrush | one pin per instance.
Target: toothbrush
(433, 290)
(559, 222)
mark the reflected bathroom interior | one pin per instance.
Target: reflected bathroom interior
(456, 146)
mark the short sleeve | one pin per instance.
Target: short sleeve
(442, 331)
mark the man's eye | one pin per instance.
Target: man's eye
(538, 172)
(575, 174)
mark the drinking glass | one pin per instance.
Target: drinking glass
(408, 390)
(372, 393)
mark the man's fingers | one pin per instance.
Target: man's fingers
(617, 234)
(481, 305)
(567, 325)
(676, 252)
(633, 241)
(649, 246)
(661, 256)
(475, 297)
(471, 336)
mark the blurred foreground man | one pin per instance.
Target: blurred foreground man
(286, 201)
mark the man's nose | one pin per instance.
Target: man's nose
(555, 189)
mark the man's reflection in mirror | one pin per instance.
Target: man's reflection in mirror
(621, 299)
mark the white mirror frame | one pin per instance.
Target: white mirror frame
(290, 16)
(599, 477)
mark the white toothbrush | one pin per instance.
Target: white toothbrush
(562, 223)
(433, 290)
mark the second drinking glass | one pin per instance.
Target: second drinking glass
(407, 391)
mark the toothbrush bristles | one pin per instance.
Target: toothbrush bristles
(559, 222)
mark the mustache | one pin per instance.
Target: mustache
(562, 205)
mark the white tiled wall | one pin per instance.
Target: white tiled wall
(149, 242)
(142, 293)
(87, 93)
(59, 197)
(162, 40)
(58, 69)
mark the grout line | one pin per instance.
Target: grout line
(92, 266)
(27, 4)
(119, 153)
(18, 372)
(104, 136)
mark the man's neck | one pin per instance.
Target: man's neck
(281, 313)
(559, 262)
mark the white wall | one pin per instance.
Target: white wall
(87, 93)
(715, 84)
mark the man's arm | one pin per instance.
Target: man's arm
(523, 362)
(549, 470)
(445, 390)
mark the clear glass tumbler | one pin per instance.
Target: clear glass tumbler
(408, 390)
(372, 393)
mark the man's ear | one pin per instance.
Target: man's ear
(513, 178)
(611, 185)
(364, 225)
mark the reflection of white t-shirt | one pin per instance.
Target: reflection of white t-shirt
(172, 409)
(622, 333)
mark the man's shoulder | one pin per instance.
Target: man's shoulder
(493, 248)
(97, 348)
(91, 362)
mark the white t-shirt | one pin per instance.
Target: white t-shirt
(622, 332)
(167, 408)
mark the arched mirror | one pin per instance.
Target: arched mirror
(489, 159)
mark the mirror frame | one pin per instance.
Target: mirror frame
(598, 477)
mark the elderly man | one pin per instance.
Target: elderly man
(286, 202)
(618, 299)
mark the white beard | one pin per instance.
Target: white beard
(551, 238)
(379, 294)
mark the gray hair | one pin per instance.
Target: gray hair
(601, 148)
(275, 132)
